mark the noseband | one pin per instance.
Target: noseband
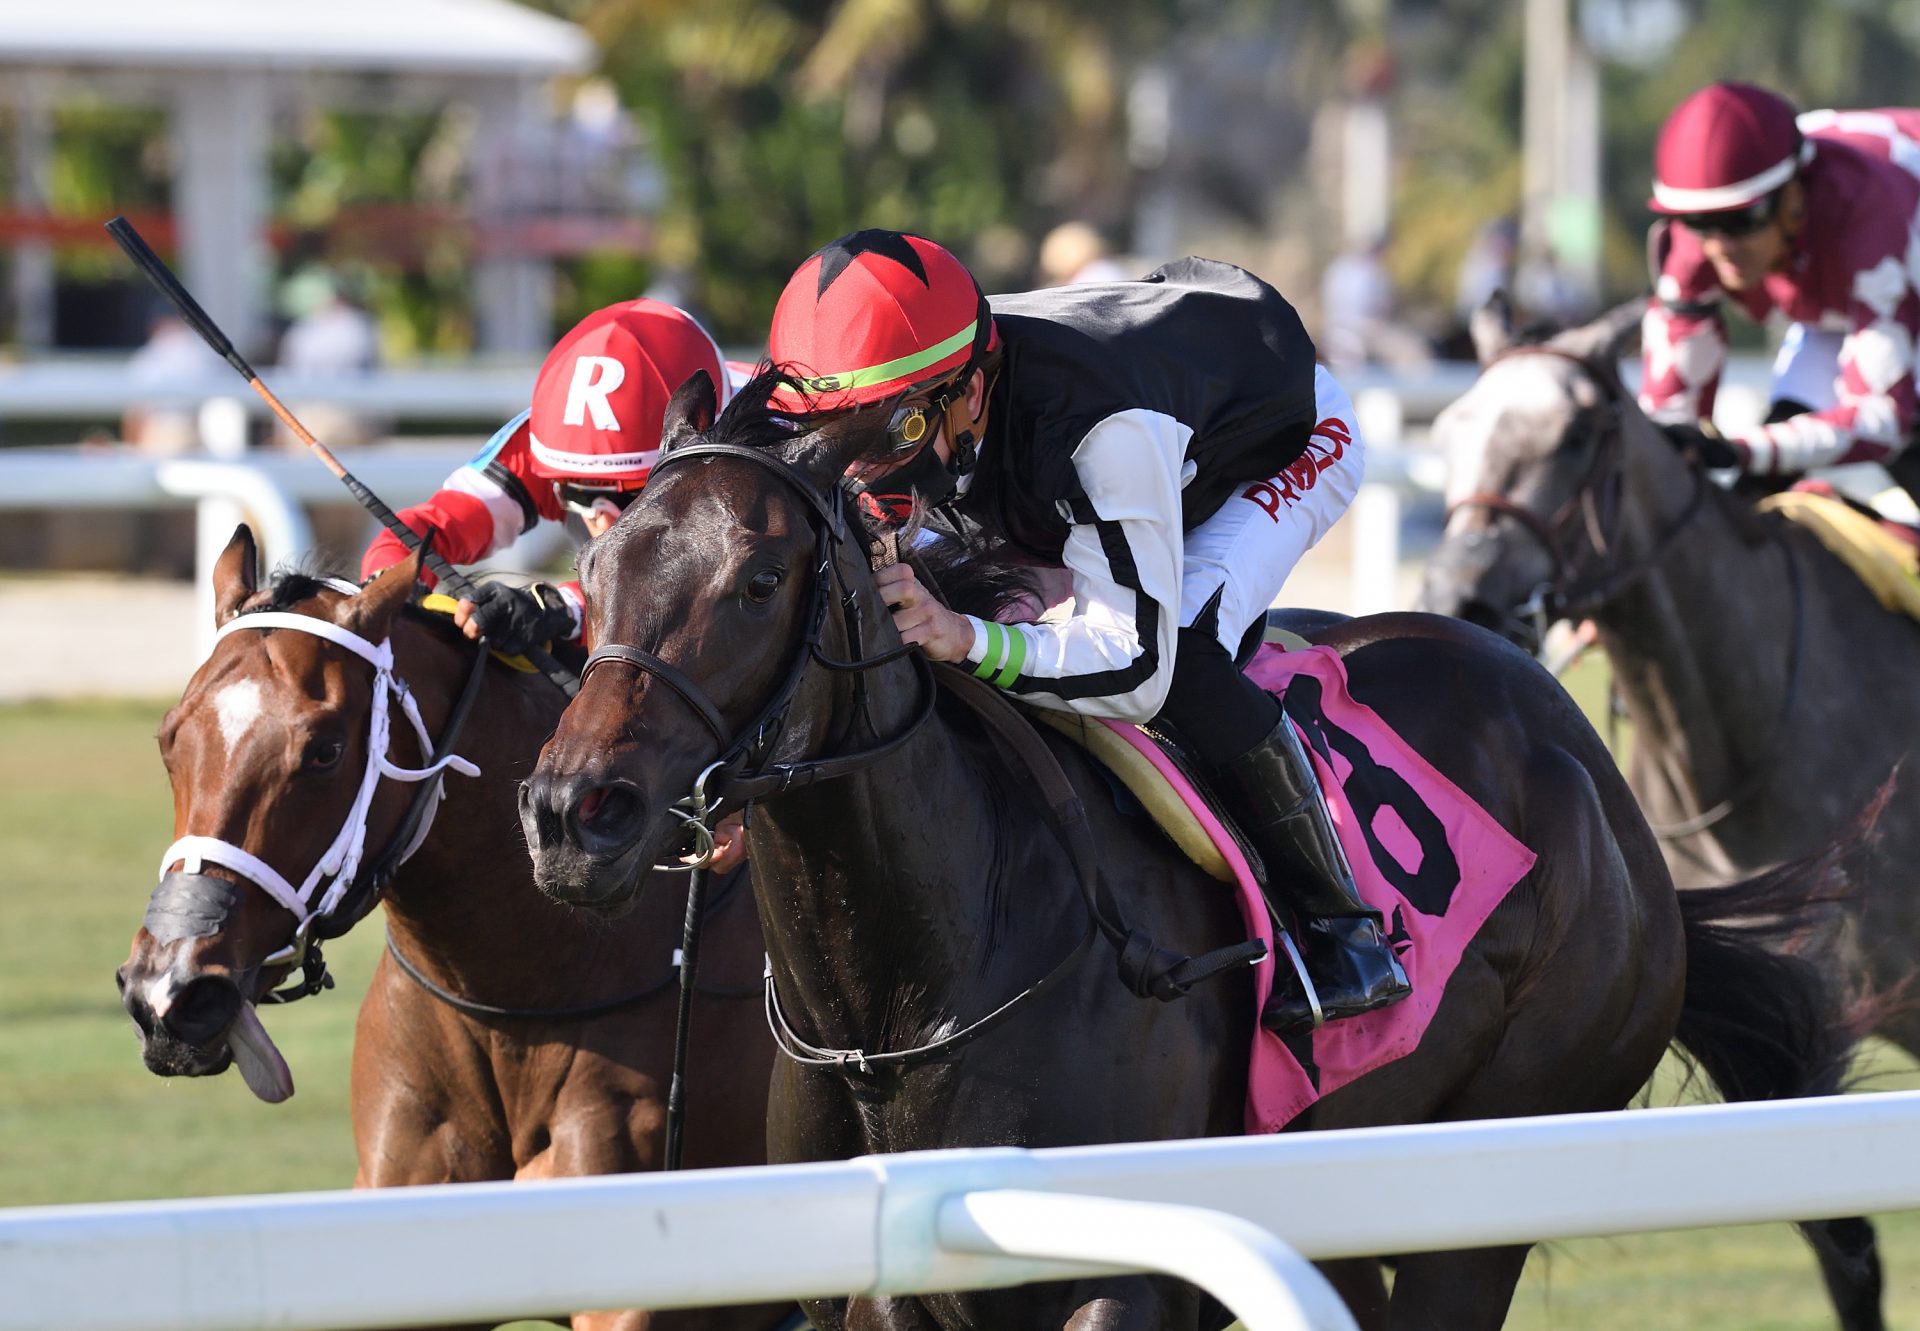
(1593, 511)
(744, 771)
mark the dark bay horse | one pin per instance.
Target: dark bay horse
(1771, 694)
(910, 883)
(266, 749)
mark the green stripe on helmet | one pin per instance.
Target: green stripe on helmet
(893, 369)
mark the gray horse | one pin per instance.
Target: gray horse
(1773, 699)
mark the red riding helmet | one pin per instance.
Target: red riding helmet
(1727, 146)
(601, 398)
(871, 315)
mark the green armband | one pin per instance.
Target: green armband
(1004, 653)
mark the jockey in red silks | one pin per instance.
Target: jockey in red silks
(586, 448)
(1813, 216)
(1173, 445)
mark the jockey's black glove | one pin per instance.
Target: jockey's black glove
(516, 618)
(1710, 450)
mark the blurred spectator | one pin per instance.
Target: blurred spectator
(1486, 267)
(1545, 294)
(331, 337)
(1357, 325)
(173, 354)
(1074, 252)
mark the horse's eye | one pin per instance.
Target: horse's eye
(323, 754)
(763, 585)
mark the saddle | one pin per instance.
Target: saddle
(1156, 774)
(1888, 564)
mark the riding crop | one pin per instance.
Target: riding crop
(202, 323)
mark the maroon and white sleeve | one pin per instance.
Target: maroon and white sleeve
(1876, 403)
(1683, 335)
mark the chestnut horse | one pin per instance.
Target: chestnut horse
(921, 906)
(267, 749)
(1771, 694)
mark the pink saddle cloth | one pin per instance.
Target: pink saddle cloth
(1429, 859)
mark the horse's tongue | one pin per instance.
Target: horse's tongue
(265, 1071)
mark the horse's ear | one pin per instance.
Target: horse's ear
(1492, 326)
(689, 412)
(236, 575)
(1609, 337)
(372, 612)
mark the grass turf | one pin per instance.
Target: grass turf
(84, 812)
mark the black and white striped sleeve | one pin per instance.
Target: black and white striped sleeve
(1113, 656)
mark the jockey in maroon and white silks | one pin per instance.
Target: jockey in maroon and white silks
(586, 446)
(1813, 216)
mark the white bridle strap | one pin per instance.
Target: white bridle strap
(342, 858)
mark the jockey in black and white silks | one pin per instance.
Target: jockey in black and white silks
(1172, 444)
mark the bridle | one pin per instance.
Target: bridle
(745, 769)
(1593, 511)
(335, 895)
(1561, 596)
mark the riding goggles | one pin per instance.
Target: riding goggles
(1734, 221)
(913, 422)
(589, 500)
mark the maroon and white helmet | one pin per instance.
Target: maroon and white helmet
(1726, 147)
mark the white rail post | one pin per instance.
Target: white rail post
(228, 491)
(1262, 1281)
(1374, 520)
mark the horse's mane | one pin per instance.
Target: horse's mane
(317, 571)
(972, 572)
(750, 420)
(290, 584)
(971, 575)
(1753, 526)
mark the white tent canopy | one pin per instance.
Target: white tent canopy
(396, 36)
(219, 68)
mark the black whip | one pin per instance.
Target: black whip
(202, 323)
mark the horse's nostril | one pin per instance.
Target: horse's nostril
(202, 1010)
(605, 809)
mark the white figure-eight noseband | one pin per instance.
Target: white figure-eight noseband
(342, 858)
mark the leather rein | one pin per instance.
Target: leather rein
(472, 1007)
(1559, 597)
(744, 773)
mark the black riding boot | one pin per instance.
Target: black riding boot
(1273, 792)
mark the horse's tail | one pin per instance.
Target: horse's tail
(1762, 1022)
(1768, 1023)
(1771, 969)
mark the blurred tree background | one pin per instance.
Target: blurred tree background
(782, 125)
(777, 124)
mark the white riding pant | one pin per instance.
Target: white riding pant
(1807, 368)
(1245, 552)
